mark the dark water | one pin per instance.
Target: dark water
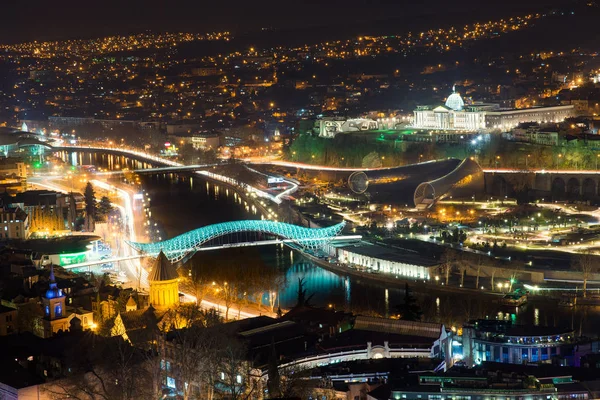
(182, 203)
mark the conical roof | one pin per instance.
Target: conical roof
(131, 302)
(162, 270)
(53, 291)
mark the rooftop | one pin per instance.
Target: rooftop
(399, 327)
(392, 254)
(162, 270)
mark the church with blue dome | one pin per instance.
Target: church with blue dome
(56, 317)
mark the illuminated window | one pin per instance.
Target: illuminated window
(171, 382)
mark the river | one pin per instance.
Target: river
(183, 203)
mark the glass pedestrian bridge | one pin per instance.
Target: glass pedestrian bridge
(182, 246)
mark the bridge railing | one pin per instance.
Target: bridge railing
(151, 157)
(349, 355)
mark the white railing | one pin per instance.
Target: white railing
(350, 355)
(151, 157)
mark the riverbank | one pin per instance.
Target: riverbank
(398, 282)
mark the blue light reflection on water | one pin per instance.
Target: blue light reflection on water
(185, 206)
(182, 204)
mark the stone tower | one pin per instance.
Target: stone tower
(55, 313)
(164, 285)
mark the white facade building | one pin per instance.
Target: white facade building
(329, 127)
(386, 261)
(444, 118)
(508, 119)
(454, 115)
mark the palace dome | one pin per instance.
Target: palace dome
(454, 101)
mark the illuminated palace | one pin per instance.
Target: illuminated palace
(455, 115)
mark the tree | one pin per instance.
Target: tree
(409, 310)
(274, 382)
(90, 207)
(516, 268)
(104, 207)
(302, 299)
(228, 293)
(479, 265)
(193, 353)
(372, 160)
(449, 259)
(462, 268)
(238, 380)
(196, 281)
(586, 263)
(98, 368)
(29, 316)
(72, 215)
(89, 196)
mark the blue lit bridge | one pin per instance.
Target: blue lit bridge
(185, 245)
(239, 234)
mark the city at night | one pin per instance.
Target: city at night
(360, 200)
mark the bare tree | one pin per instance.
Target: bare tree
(586, 263)
(479, 264)
(238, 380)
(462, 268)
(449, 259)
(104, 369)
(191, 353)
(228, 293)
(196, 281)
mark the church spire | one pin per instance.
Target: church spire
(52, 277)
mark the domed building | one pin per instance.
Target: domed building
(454, 101)
(455, 115)
(164, 285)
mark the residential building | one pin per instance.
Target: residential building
(486, 382)
(12, 166)
(14, 223)
(8, 320)
(532, 134)
(205, 142)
